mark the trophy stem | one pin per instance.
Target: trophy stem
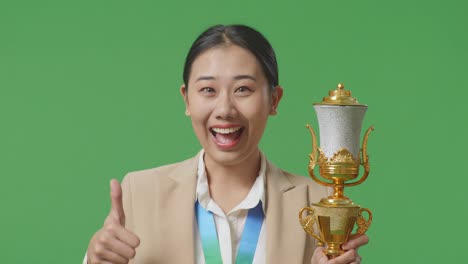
(333, 250)
(337, 198)
(338, 191)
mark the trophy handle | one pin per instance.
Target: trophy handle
(308, 223)
(365, 159)
(313, 159)
(362, 223)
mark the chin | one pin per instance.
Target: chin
(228, 158)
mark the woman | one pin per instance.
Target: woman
(195, 211)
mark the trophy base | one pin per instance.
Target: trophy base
(334, 219)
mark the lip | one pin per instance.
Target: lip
(230, 145)
(225, 126)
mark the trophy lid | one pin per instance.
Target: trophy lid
(340, 96)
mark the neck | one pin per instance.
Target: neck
(230, 184)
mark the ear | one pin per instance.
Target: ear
(183, 93)
(276, 96)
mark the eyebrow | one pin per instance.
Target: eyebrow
(203, 78)
(237, 77)
(245, 76)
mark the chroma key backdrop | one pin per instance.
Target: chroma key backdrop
(89, 90)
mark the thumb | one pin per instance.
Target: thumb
(117, 211)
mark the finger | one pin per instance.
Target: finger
(106, 255)
(117, 211)
(100, 253)
(319, 257)
(347, 257)
(127, 237)
(357, 261)
(99, 261)
(121, 249)
(115, 238)
(119, 239)
(357, 242)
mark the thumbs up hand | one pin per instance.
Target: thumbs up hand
(113, 243)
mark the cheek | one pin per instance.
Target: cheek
(257, 108)
(257, 114)
(199, 124)
(199, 112)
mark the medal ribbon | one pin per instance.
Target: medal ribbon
(249, 239)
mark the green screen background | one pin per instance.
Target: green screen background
(89, 91)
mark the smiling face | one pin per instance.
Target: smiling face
(229, 101)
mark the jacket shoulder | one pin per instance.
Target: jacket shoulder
(142, 188)
(155, 174)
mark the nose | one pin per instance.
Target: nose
(225, 107)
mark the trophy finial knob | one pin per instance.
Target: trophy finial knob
(340, 96)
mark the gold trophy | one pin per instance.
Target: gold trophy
(339, 158)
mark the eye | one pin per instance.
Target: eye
(243, 90)
(207, 90)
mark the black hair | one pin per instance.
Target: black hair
(242, 36)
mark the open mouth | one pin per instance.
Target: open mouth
(226, 137)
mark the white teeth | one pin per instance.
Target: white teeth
(226, 130)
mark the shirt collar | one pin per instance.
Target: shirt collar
(256, 193)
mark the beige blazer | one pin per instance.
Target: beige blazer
(159, 207)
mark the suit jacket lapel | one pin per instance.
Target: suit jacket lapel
(286, 240)
(180, 212)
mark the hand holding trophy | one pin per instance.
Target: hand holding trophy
(339, 158)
